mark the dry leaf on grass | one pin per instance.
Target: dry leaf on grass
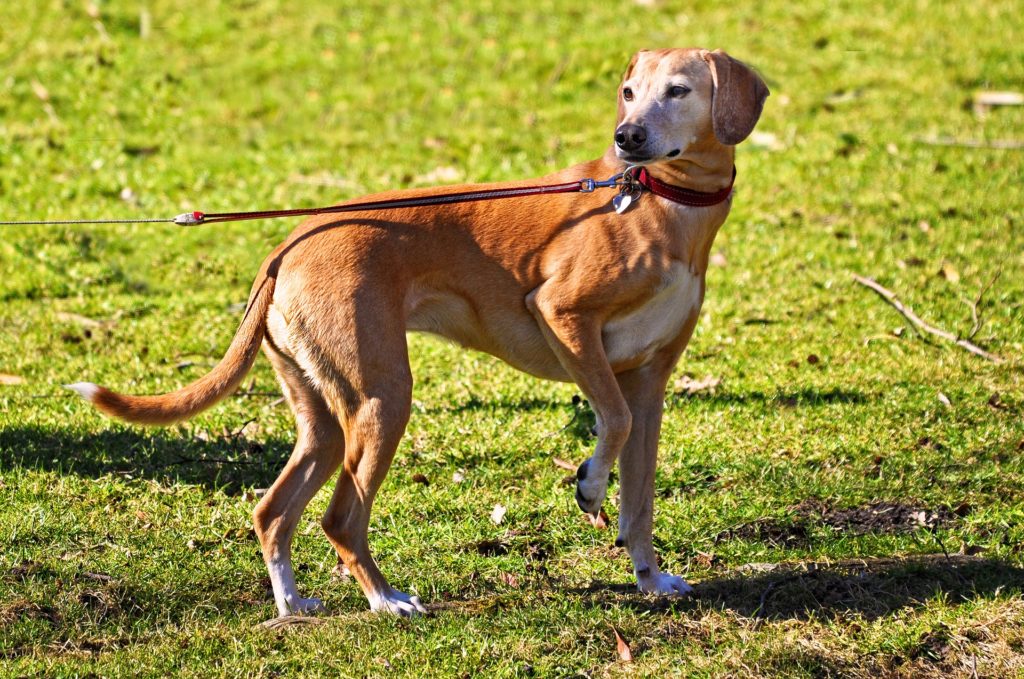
(622, 648)
(568, 466)
(949, 272)
(11, 379)
(78, 319)
(983, 101)
(599, 521)
(689, 386)
(290, 621)
(498, 514)
(509, 579)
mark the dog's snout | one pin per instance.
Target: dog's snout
(630, 137)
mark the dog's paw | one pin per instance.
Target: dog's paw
(664, 584)
(300, 606)
(397, 603)
(590, 490)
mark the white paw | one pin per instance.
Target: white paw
(664, 584)
(397, 603)
(300, 606)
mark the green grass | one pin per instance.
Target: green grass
(128, 551)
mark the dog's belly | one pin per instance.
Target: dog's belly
(510, 334)
(631, 339)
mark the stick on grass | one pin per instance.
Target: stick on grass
(908, 313)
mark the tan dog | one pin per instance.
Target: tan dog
(560, 286)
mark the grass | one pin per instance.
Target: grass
(129, 551)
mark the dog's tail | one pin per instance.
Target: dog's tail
(204, 392)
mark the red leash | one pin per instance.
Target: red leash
(632, 181)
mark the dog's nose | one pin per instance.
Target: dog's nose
(630, 137)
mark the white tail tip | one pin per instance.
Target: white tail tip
(86, 390)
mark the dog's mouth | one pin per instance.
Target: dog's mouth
(644, 160)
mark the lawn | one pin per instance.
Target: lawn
(848, 498)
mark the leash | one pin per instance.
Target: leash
(632, 182)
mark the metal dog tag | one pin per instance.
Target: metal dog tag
(622, 201)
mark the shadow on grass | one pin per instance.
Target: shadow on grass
(228, 463)
(795, 398)
(871, 588)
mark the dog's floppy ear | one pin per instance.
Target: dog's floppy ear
(625, 76)
(737, 98)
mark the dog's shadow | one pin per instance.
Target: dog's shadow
(226, 463)
(870, 588)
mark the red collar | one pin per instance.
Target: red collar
(678, 194)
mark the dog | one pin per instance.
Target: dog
(565, 287)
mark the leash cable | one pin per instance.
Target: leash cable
(631, 183)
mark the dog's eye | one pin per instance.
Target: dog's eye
(678, 91)
(627, 94)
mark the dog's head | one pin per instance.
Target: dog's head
(673, 99)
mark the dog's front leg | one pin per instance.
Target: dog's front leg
(644, 390)
(575, 338)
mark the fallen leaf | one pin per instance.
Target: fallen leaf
(599, 520)
(963, 509)
(568, 466)
(290, 620)
(625, 653)
(690, 386)
(983, 101)
(999, 98)
(78, 319)
(341, 572)
(944, 400)
(509, 579)
(498, 514)
(11, 379)
(996, 401)
(458, 477)
(40, 91)
(705, 559)
(949, 272)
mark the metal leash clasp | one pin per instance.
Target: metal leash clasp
(630, 191)
(588, 185)
(190, 218)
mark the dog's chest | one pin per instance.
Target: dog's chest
(658, 321)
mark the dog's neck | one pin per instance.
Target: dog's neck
(699, 169)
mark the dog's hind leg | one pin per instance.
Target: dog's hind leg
(319, 449)
(377, 394)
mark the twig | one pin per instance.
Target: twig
(972, 143)
(890, 297)
(759, 612)
(975, 314)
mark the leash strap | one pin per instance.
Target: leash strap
(583, 186)
(632, 181)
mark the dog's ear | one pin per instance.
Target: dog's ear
(737, 98)
(626, 76)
